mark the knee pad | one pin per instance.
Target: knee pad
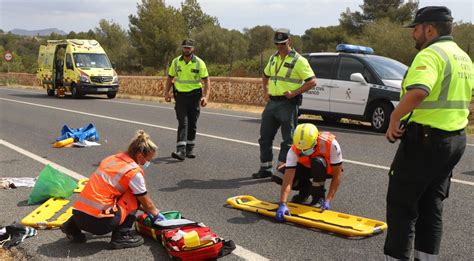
(318, 169)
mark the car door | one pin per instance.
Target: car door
(349, 97)
(317, 98)
(69, 74)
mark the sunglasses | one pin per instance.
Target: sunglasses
(281, 43)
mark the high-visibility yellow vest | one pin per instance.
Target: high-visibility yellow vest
(188, 75)
(287, 74)
(445, 71)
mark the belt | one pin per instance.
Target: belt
(190, 93)
(427, 131)
(283, 98)
(278, 98)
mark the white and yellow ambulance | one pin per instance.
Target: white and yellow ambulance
(78, 66)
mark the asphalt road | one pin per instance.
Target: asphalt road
(227, 152)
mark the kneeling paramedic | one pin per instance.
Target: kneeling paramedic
(313, 158)
(112, 196)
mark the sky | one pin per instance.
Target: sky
(297, 15)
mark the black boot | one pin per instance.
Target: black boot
(189, 153)
(303, 195)
(262, 173)
(180, 154)
(318, 195)
(73, 233)
(125, 239)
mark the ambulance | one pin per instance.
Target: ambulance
(77, 66)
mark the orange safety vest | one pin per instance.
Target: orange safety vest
(323, 148)
(108, 187)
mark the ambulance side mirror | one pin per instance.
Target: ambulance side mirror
(357, 77)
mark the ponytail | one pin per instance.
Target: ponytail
(142, 143)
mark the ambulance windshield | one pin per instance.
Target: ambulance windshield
(92, 60)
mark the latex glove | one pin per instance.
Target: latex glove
(157, 218)
(281, 212)
(326, 205)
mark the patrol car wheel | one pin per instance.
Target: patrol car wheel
(380, 117)
(50, 92)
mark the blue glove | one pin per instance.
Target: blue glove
(281, 212)
(326, 205)
(157, 218)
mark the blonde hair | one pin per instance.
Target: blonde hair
(142, 143)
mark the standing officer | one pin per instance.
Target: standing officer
(286, 76)
(315, 156)
(190, 71)
(435, 99)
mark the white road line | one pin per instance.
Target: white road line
(171, 108)
(246, 254)
(153, 106)
(43, 160)
(239, 251)
(200, 134)
(206, 112)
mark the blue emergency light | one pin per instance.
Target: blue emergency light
(350, 48)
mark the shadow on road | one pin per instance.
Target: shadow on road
(342, 127)
(469, 173)
(165, 160)
(214, 184)
(252, 120)
(44, 96)
(62, 248)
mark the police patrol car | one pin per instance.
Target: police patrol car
(353, 83)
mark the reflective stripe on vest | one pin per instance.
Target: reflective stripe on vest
(196, 75)
(94, 204)
(107, 185)
(287, 78)
(323, 148)
(442, 102)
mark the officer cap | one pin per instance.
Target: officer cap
(282, 35)
(188, 43)
(431, 14)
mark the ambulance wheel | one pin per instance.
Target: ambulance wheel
(380, 116)
(111, 95)
(331, 119)
(50, 92)
(75, 92)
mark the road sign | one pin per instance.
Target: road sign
(8, 56)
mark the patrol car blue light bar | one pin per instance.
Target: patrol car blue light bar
(349, 48)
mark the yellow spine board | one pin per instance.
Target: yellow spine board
(340, 223)
(40, 217)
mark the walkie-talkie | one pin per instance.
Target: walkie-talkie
(403, 125)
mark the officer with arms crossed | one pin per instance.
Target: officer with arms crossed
(190, 71)
(315, 156)
(435, 98)
(112, 196)
(286, 76)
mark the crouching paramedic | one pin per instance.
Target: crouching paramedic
(313, 158)
(112, 196)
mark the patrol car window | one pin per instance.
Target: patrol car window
(347, 67)
(91, 60)
(386, 68)
(322, 66)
